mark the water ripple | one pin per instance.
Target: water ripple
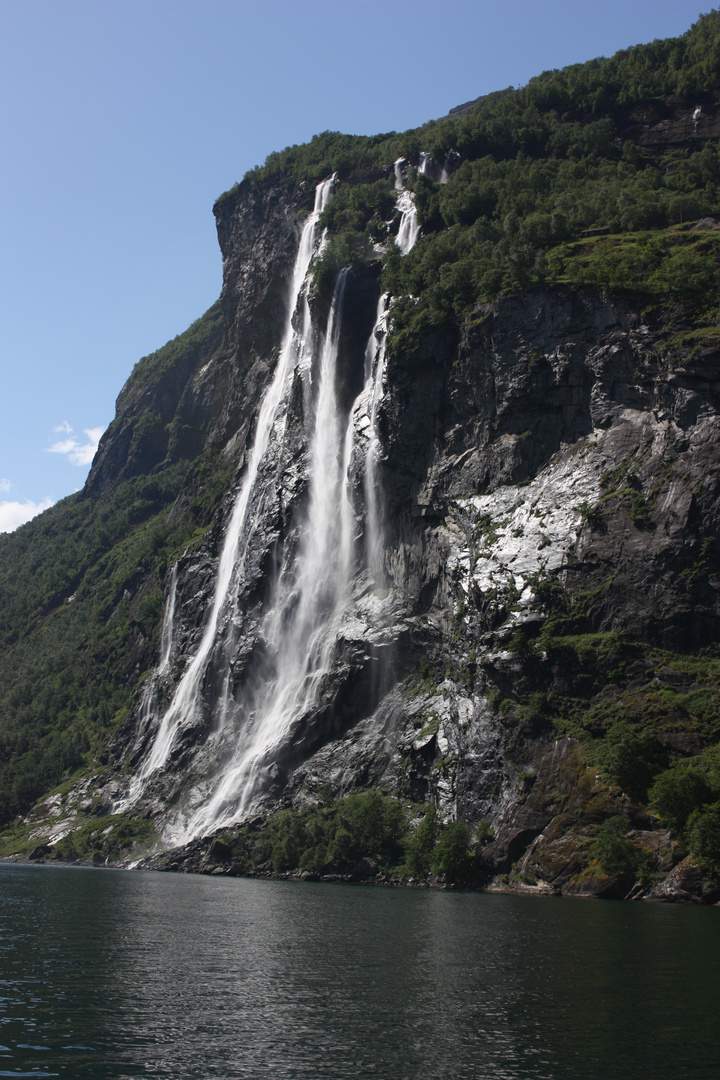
(118, 976)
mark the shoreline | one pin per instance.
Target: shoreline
(686, 884)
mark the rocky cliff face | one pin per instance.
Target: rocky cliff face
(557, 465)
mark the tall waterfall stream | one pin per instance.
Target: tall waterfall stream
(313, 586)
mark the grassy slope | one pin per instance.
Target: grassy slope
(81, 590)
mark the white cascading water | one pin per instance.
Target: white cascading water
(301, 628)
(184, 703)
(426, 164)
(374, 375)
(147, 697)
(311, 592)
(409, 230)
(166, 637)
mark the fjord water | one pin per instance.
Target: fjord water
(110, 975)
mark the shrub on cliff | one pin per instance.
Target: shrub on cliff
(612, 848)
(421, 843)
(451, 857)
(677, 792)
(703, 832)
(629, 757)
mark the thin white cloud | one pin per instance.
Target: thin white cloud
(67, 446)
(5, 485)
(77, 453)
(13, 514)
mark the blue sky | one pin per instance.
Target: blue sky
(121, 122)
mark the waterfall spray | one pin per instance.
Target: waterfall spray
(183, 707)
(300, 630)
(255, 722)
(426, 165)
(409, 230)
(375, 373)
(166, 636)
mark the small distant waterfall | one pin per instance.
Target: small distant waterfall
(183, 707)
(409, 231)
(300, 630)
(166, 637)
(426, 165)
(147, 697)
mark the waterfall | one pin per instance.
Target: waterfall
(409, 230)
(426, 165)
(166, 637)
(301, 628)
(374, 374)
(256, 720)
(183, 706)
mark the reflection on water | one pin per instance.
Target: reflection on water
(107, 974)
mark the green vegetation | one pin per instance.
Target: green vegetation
(200, 339)
(365, 831)
(567, 115)
(686, 797)
(451, 857)
(647, 718)
(679, 792)
(81, 592)
(629, 757)
(109, 838)
(612, 849)
(545, 172)
(703, 833)
(360, 208)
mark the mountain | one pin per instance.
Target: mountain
(402, 560)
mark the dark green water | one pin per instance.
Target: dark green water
(105, 974)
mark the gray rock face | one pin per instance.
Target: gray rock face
(558, 440)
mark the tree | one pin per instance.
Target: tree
(451, 858)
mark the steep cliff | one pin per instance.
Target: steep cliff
(426, 505)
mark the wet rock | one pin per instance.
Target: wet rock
(602, 887)
(363, 870)
(687, 883)
(219, 852)
(48, 808)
